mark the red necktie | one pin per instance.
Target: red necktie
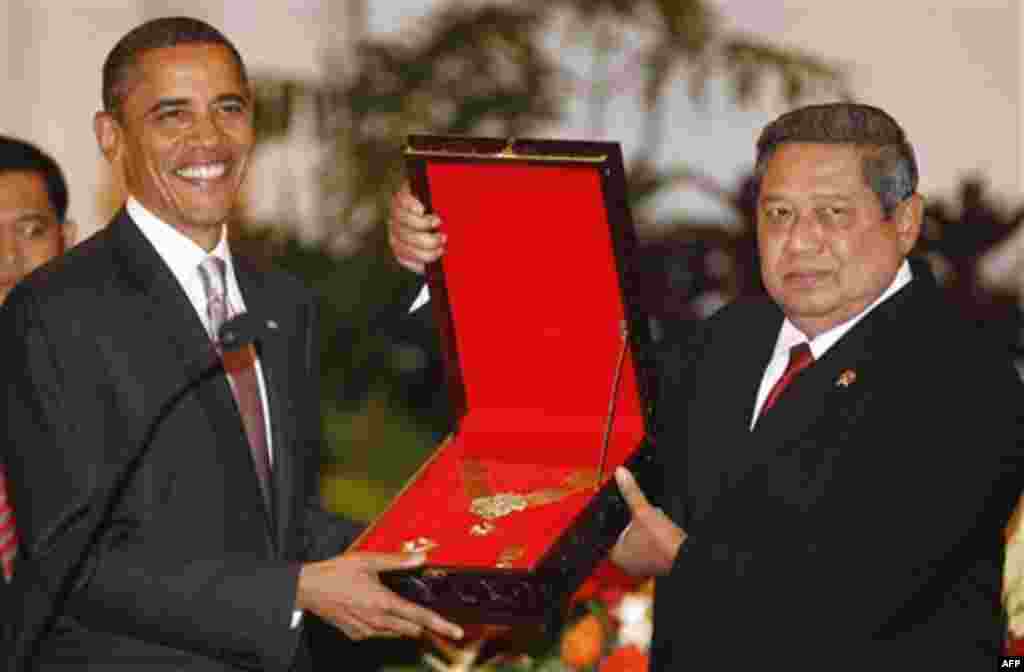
(800, 357)
(240, 366)
(8, 534)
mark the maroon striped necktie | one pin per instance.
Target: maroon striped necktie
(240, 366)
(800, 357)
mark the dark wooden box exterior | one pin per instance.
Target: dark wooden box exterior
(515, 597)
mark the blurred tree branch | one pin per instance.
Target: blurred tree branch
(486, 70)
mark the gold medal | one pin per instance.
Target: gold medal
(502, 504)
(499, 505)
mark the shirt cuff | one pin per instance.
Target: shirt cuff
(622, 535)
(296, 618)
(421, 299)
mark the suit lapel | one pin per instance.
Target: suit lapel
(788, 460)
(825, 388)
(174, 339)
(724, 406)
(827, 399)
(149, 286)
(273, 352)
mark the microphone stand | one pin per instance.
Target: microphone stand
(43, 597)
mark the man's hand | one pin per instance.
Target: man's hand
(347, 592)
(414, 237)
(650, 543)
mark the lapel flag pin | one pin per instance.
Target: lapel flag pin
(846, 378)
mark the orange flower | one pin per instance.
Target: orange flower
(627, 658)
(583, 643)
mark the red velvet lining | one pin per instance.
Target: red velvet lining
(537, 313)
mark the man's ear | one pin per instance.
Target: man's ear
(909, 220)
(69, 232)
(108, 135)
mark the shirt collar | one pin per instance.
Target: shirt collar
(178, 251)
(789, 335)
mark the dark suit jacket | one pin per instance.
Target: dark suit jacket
(193, 572)
(856, 524)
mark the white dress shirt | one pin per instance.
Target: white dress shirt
(789, 336)
(422, 298)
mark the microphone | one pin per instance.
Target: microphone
(244, 329)
(44, 591)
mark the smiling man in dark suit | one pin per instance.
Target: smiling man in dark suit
(216, 544)
(851, 515)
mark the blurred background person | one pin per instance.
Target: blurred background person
(34, 228)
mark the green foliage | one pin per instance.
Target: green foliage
(474, 67)
(749, 64)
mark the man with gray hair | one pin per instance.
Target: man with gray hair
(841, 456)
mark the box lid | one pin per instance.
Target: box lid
(533, 295)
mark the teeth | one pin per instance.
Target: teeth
(207, 172)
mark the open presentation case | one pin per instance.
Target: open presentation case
(543, 342)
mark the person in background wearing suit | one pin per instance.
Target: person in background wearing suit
(216, 546)
(34, 228)
(856, 518)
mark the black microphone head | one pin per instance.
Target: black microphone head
(242, 330)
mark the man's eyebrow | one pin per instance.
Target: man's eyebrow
(28, 213)
(32, 216)
(833, 196)
(231, 98)
(818, 196)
